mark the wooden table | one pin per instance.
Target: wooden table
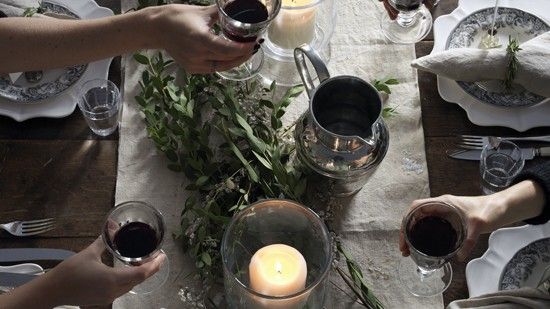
(58, 168)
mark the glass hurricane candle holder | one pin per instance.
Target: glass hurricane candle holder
(276, 254)
(299, 22)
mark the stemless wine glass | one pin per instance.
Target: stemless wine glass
(100, 102)
(412, 24)
(434, 232)
(499, 165)
(245, 21)
(152, 227)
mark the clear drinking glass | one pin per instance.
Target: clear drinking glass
(499, 164)
(434, 232)
(412, 24)
(234, 15)
(132, 227)
(100, 104)
(266, 223)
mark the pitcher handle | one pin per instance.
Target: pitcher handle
(316, 61)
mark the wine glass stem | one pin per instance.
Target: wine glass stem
(424, 273)
(406, 19)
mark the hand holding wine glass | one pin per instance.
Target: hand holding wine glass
(81, 280)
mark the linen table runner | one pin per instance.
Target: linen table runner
(368, 222)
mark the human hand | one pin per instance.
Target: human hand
(185, 33)
(480, 213)
(84, 280)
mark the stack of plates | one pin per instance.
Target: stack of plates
(486, 103)
(54, 95)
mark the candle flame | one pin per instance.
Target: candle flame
(278, 267)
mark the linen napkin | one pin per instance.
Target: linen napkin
(472, 64)
(509, 299)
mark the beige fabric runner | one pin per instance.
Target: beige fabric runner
(369, 222)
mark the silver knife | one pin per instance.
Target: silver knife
(528, 153)
(34, 254)
(15, 279)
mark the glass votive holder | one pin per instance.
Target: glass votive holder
(295, 245)
(298, 22)
(499, 164)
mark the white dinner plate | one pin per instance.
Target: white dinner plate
(65, 102)
(516, 258)
(480, 113)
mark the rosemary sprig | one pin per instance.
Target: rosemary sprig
(511, 50)
(30, 11)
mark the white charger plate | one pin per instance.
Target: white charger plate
(63, 104)
(484, 274)
(480, 113)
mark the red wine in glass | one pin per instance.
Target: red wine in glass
(135, 240)
(244, 11)
(433, 236)
(407, 5)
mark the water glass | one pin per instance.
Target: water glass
(499, 165)
(100, 103)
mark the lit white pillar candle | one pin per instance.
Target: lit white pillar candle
(278, 270)
(295, 24)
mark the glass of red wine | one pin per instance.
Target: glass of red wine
(134, 234)
(245, 21)
(413, 22)
(434, 232)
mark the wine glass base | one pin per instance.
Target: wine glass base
(409, 32)
(428, 285)
(154, 282)
(247, 70)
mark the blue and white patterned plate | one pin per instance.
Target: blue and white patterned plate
(52, 84)
(520, 25)
(527, 266)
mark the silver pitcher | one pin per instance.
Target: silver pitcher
(342, 135)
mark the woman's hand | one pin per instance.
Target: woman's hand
(85, 280)
(80, 280)
(485, 214)
(185, 33)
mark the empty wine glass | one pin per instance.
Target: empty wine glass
(245, 21)
(134, 234)
(412, 24)
(434, 232)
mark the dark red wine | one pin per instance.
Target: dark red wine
(407, 5)
(245, 11)
(433, 236)
(135, 239)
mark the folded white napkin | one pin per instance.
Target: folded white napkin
(472, 64)
(516, 299)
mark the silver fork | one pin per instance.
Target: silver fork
(28, 228)
(478, 142)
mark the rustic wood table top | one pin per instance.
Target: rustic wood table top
(58, 168)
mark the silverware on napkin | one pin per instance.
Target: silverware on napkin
(34, 254)
(527, 153)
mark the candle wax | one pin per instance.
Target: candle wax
(294, 25)
(278, 270)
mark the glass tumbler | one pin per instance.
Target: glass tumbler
(499, 164)
(268, 224)
(100, 103)
(134, 234)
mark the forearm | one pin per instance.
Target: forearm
(37, 294)
(42, 43)
(520, 202)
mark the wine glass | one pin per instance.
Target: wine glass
(245, 21)
(434, 232)
(134, 234)
(412, 24)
